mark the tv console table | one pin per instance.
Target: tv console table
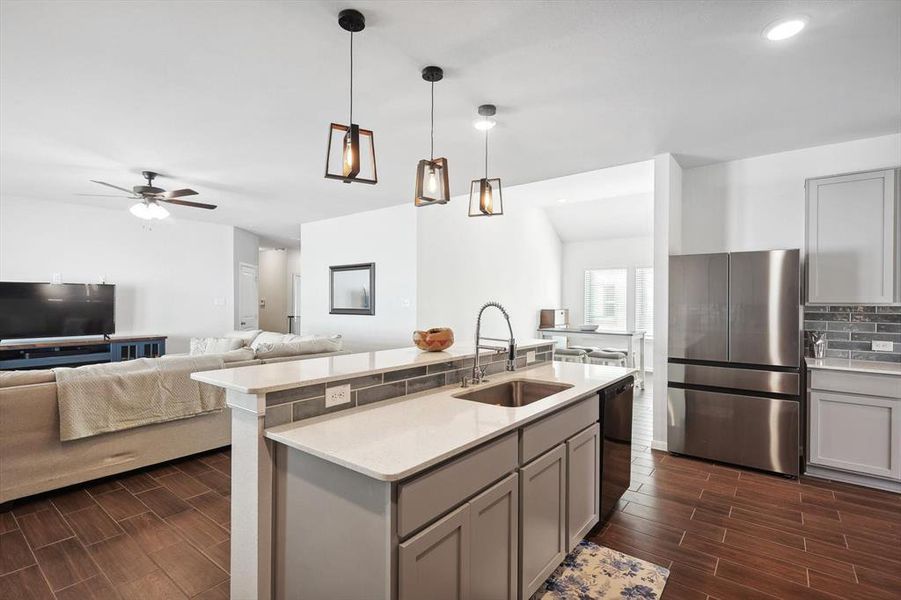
(80, 351)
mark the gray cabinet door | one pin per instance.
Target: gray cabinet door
(699, 306)
(542, 523)
(583, 456)
(852, 232)
(764, 307)
(494, 555)
(435, 563)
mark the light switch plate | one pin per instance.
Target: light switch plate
(337, 395)
(882, 346)
(530, 357)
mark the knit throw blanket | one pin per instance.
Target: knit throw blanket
(108, 397)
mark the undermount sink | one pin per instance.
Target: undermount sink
(518, 392)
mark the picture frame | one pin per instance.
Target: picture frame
(352, 289)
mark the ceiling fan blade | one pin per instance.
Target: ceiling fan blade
(180, 193)
(115, 187)
(191, 204)
(108, 196)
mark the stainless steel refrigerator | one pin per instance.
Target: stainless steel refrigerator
(735, 358)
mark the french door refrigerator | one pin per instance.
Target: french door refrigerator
(734, 368)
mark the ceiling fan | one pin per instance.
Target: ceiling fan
(150, 197)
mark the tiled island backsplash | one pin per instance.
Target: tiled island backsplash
(851, 330)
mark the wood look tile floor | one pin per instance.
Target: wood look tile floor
(158, 533)
(723, 532)
(726, 532)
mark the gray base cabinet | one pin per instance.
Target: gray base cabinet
(542, 518)
(583, 457)
(494, 548)
(436, 563)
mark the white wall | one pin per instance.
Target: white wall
(758, 203)
(386, 237)
(247, 251)
(668, 211)
(175, 279)
(274, 290)
(514, 259)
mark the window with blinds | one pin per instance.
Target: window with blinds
(605, 298)
(644, 299)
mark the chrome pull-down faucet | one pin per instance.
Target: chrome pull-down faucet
(478, 372)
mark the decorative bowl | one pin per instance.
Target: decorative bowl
(435, 339)
(587, 327)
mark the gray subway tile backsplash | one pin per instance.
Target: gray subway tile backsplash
(404, 374)
(381, 392)
(851, 330)
(295, 394)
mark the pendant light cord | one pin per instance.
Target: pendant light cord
(486, 154)
(351, 80)
(432, 146)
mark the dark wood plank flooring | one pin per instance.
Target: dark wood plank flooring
(723, 532)
(726, 532)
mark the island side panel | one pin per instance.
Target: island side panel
(334, 530)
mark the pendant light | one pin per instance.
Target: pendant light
(485, 199)
(431, 173)
(349, 146)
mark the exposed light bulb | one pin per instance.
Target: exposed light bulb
(484, 123)
(784, 29)
(431, 184)
(348, 155)
(486, 201)
(141, 211)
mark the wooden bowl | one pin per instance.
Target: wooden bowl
(435, 339)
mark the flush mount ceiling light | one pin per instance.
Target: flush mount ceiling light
(485, 120)
(348, 145)
(431, 173)
(485, 199)
(784, 28)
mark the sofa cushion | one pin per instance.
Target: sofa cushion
(239, 355)
(305, 345)
(212, 345)
(269, 337)
(245, 335)
(16, 378)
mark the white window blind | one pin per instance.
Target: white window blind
(644, 299)
(605, 298)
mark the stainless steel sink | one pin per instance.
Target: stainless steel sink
(517, 392)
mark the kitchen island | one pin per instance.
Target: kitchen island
(348, 504)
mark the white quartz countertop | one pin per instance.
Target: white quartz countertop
(576, 330)
(272, 377)
(860, 366)
(394, 439)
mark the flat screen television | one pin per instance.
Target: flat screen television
(35, 310)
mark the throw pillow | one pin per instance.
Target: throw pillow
(245, 335)
(267, 337)
(317, 345)
(212, 345)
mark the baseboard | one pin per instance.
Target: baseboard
(853, 478)
(658, 445)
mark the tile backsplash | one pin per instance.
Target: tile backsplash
(851, 330)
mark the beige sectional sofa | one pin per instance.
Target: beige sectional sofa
(34, 460)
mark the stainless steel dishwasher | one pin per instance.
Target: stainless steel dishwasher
(616, 451)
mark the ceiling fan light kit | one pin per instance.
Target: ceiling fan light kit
(485, 195)
(431, 174)
(350, 146)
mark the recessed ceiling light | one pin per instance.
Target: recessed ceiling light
(784, 28)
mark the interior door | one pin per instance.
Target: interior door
(764, 307)
(699, 307)
(248, 296)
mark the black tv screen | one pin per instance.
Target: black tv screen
(34, 310)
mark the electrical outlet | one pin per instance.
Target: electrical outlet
(530, 357)
(337, 395)
(882, 346)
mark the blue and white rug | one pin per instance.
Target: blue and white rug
(591, 572)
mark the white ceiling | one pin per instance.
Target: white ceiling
(234, 98)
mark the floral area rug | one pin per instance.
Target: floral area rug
(591, 571)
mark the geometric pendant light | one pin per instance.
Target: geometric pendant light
(431, 173)
(485, 197)
(350, 156)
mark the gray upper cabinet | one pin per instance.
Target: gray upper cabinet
(853, 239)
(494, 555)
(435, 563)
